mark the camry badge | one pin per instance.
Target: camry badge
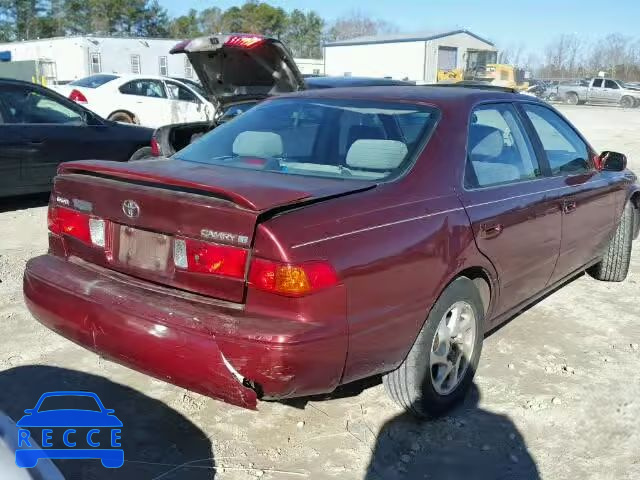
(131, 209)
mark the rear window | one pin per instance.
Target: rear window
(352, 139)
(94, 81)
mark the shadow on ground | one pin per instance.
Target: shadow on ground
(155, 438)
(23, 202)
(469, 444)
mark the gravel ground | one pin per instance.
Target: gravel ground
(557, 395)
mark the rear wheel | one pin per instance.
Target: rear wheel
(441, 364)
(627, 102)
(614, 266)
(121, 117)
(572, 98)
(143, 153)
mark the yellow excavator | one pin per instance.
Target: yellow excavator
(481, 66)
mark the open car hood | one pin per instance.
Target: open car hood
(240, 66)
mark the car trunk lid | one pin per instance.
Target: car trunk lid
(236, 67)
(150, 207)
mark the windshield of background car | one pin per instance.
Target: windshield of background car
(94, 81)
(65, 402)
(342, 138)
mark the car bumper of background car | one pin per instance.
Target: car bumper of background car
(214, 348)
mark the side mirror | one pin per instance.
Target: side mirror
(613, 161)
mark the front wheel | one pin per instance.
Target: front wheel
(614, 265)
(441, 364)
(121, 117)
(573, 99)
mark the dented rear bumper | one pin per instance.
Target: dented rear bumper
(215, 348)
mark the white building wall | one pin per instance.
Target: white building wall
(397, 60)
(310, 66)
(417, 61)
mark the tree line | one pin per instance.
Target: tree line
(303, 31)
(569, 56)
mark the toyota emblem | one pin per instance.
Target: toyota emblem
(131, 209)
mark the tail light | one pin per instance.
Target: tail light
(64, 221)
(291, 280)
(77, 96)
(155, 147)
(244, 41)
(202, 257)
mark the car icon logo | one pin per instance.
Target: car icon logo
(131, 209)
(89, 432)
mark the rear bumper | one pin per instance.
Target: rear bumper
(213, 348)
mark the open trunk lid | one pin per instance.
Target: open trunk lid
(150, 207)
(239, 66)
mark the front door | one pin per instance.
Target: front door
(185, 105)
(11, 150)
(586, 195)
(516, 225)
(612, 91)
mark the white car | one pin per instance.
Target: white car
(148, 100)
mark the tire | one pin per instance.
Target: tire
(627, 102)
(121, 117)
(572, 98)
(614, 266)
(143, 153)
(412, 384)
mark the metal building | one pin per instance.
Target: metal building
(412, 57)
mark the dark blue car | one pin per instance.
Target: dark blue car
(92, 415)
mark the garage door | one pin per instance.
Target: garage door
(447, 58)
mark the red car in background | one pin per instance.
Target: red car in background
(330, 235)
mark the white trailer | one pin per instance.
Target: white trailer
(403, 57)
(63, 59)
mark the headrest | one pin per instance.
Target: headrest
(485, 141)
(258, 144)
(376, 154)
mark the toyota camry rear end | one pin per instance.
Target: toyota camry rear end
(202, 269)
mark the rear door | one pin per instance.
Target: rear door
(587, 196)
(147, 99)
(516, 225)
(596, 91)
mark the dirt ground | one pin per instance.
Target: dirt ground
(557, 395)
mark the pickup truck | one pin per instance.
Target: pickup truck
(600, 90)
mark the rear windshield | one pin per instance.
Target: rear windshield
(352, 139)
(94, 81)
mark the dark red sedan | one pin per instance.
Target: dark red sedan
(327, 236)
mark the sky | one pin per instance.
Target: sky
(507, 23)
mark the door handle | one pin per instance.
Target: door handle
(491, 230)
(569, 206)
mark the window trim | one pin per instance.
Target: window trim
(161, 82)
(543, 164)
(536, 138)
(131, 58)
(181, 85)
(166, 65)
(92, 56)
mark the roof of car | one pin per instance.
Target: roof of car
(335, 82)
(414, 93)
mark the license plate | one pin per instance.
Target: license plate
(144, 250)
